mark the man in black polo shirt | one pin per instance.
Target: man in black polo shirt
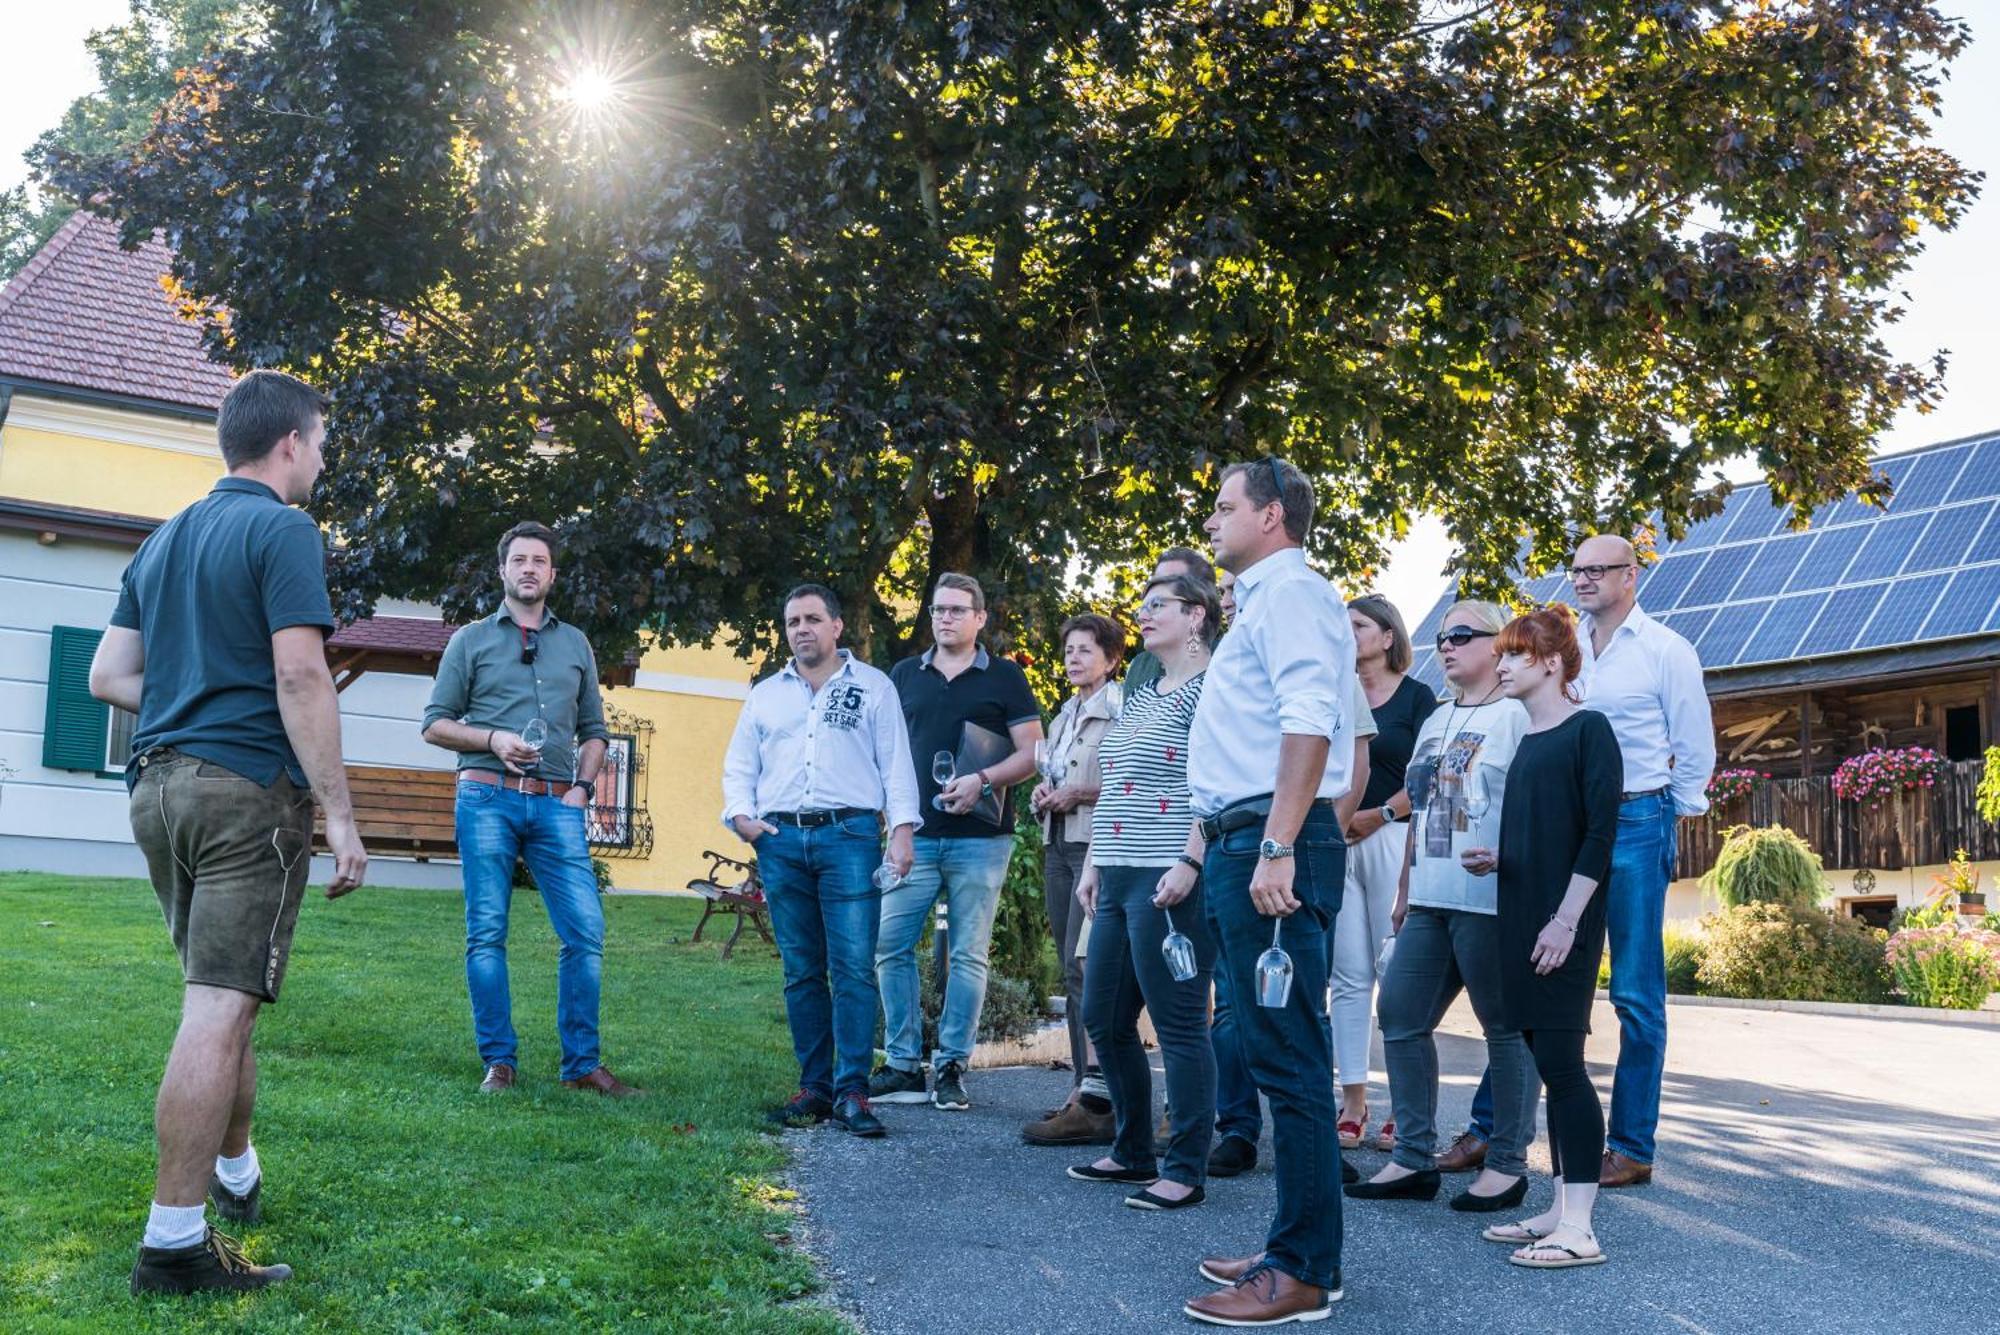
(217, 645)
(961, 854)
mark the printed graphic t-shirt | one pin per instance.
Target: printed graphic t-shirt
(1458, 776)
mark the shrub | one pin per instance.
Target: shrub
(1021, 948)
(1765, 866)
(1787, 953)
(1685, 951)
(1942, 966)
(1988, 795)
(1012, 1009)
(1876, 776)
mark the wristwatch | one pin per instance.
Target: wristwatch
(1271, 850)
(1388, 814)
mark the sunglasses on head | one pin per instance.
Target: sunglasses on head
(531, 644)
(1460, 636)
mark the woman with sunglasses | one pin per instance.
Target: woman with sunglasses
(1376, 842)
(1140, 885)
(1447, 925)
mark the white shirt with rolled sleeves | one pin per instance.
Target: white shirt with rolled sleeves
(1285, 667)
(1647, 684)
(844, 746)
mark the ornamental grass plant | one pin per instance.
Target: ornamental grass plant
(1771, 865)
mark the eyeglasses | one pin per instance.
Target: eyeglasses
(1154, 606)
(1594, 573)
(1460, 636)
(531, 644)
(951, 611)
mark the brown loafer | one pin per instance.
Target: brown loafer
(1619, 1170)
(1071, 1125)
(1266, 1296)
(601, 1081)
(1227, 1269)
(1467, 1153)
(499, 1076)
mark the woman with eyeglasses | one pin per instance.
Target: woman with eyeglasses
(1557, 825)
(1064, 801)
(1141, 886)
(1376, 843)
(1447, 925)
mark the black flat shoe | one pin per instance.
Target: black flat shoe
(1348, 1173)
(1146, 1200)
(1421, 1185)
(1467, 1203)
(1090, 1172)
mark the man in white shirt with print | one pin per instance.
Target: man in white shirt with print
(1270, 752)
(819, 758)
(1647, 681)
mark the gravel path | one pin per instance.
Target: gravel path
(1817, 1173)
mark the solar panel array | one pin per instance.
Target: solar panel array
(1744, 589)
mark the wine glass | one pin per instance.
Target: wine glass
(1274, 972)
(536, 734)
(1475, 799)
(1178, 950)
(944, 768)
(886, 877)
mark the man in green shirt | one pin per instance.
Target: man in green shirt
(1173, 562)
(517, 698)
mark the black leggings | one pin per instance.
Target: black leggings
(1576, 1118)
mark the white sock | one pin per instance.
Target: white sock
(176, 1225)
(1094, 1085)
(238, 1174)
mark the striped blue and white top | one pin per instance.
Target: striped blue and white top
(1142, 817)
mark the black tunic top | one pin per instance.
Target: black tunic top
(1558, 819)
(1397, 722)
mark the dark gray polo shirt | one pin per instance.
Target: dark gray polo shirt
(206, 592)
(483, 683)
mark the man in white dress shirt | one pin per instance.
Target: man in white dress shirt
(1270, 753)
(1647, 681)
(819, 758)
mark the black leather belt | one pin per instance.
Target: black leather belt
(1650, 792)
(812, 820)
(1250, 811)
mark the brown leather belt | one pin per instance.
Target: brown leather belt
(521, 783)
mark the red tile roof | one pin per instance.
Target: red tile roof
(393, 635)
(85, 314)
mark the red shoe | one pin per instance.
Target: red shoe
(1385, 1139)
(1351, 1132)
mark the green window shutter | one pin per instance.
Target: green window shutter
(73, 733)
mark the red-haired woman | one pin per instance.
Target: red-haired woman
(1557, 823)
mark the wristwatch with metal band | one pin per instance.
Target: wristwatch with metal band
(1271, 850)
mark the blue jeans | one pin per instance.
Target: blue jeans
(1642, 862)
(1290, 1049)
(969, 873)
(497, 826)
(825, 913)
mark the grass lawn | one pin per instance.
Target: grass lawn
(402, 1198)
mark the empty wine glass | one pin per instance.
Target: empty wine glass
(944, 768)
(1178, 950)
(1274, 972)
(887, 878)
(1475, 799)
(536, 734)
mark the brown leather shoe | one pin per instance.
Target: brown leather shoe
(1227, 1269)
(1266, 1296)
(1618, 1170)
(601, 1081)
(499, 1076)
(1072, 1125)
(1467, 1153)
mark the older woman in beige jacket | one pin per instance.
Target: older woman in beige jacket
(1092, 648)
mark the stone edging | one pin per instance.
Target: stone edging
(1924, 1014)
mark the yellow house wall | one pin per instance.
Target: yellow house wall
(56, 468)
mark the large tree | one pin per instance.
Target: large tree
(869, 289)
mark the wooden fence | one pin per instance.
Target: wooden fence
(1915, 830)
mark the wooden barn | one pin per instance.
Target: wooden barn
(1873, 628)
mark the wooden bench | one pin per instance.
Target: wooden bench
(407, 811)
(744, 898)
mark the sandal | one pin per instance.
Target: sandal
(1516, 1234)
(1566, 1256)
(1351, 1132)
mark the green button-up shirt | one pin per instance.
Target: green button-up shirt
(483, 683)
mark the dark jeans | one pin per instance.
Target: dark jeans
(1576, 1118)
(826, 913)
(1440, 953)
(1237, 1109)
(1062, 867)
(1126, 972)
(1289, 1049)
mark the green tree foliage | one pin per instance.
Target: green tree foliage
(138, 65)
(1766, 866)
(862, 291)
